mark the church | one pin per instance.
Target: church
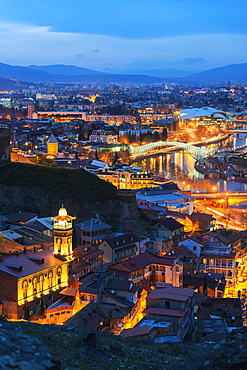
(31, 281)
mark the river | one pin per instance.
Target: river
(179, 167)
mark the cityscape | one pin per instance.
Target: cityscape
(123, 189)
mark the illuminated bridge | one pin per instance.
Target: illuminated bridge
(191, 149)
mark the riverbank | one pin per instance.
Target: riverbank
(217, 174)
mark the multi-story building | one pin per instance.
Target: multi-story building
(91, 232)
(172, 303)
(29, 282)
(101, 136)
(151, 267)
(119, 247)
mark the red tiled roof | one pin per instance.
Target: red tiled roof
(68, 291)
(142, 260)
(164, 312)
(93, 254)
(135, 332)
(172, 293)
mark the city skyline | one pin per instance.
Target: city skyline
(130, 35)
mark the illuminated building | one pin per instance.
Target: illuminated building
(29, 282)
(52, 145)
(135, 180)
(59, 116)
(63, 232)
(151, 267)
(169, 303)
(101, 136)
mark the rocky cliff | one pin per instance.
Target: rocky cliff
(43, 190)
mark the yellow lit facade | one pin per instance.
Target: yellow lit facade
(63, 232)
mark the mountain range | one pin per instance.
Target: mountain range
(72, 74)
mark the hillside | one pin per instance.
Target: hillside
(110, 352)
(68, 74)
(8, 84)
(43, 190)
(234, 73)
(62, 69)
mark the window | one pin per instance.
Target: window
(59, 272)
(167, 304)
(35, 283)
(24, 288)
(50, 276)
(41, 283)
(194, 248)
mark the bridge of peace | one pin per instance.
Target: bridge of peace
(156, 147)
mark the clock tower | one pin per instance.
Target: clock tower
(63, 232)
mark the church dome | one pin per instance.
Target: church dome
(62, 211)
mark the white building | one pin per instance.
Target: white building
(172, 200)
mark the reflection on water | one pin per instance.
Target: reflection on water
(171, 166)
(179, 167)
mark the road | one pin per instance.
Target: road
(15, 157)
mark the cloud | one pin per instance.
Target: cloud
(132, 19)
(24, 45)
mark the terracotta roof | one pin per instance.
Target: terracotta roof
(118, 241)
(201, 217)
(142, 260)
(88, 252)
(135, 332)
(68, 291)
(164, 312)
(171, 293)
(30, 263)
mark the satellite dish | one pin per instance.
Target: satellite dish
(120, 325)
(112, 291)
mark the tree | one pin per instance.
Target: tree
(124, 156)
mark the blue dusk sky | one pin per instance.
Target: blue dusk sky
(192, 35)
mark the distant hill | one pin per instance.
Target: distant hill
(161, 72)
(67, 70)
(234, 73)
(35, 75)
(65, 74)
